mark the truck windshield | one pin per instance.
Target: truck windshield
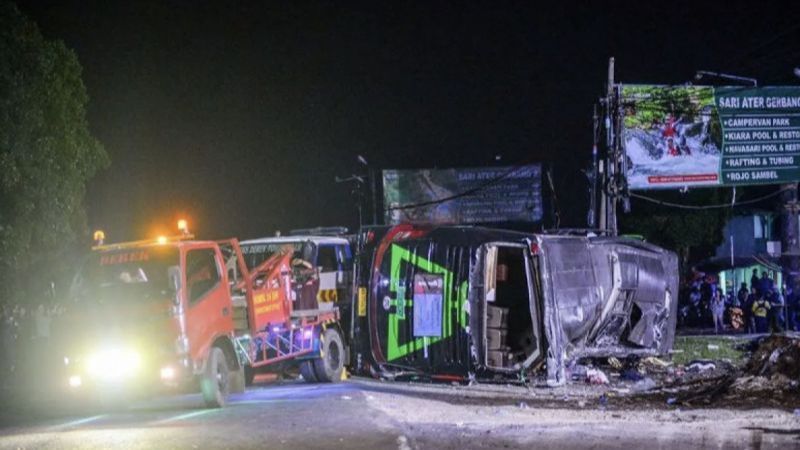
(126, 271)
(255, 254)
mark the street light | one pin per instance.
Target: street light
(726, 76)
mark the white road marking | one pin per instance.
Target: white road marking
(75, 423)
(273, 400)
(185, 416)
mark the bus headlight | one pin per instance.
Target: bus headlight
(113, 363)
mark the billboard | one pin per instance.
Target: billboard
(676, 136)
(463, 196)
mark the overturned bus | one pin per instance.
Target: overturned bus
(461, 303)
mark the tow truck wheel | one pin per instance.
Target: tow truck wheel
(249, 375)
(215, 383)
(236, 381)
(330, 365)
(307, 371)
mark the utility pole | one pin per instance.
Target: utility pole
(608, 218)
(591, 221)
(373, 190)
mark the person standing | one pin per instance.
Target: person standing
(765, 284)
(747, 308)
(718, 311)
(741, 296)
(777, 320)
(694, 305)
(761, 309)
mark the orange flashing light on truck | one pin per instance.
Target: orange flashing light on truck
(149, 314)
(159, 314)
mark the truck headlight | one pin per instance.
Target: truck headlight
(167, 373)
(113, 363)
(75, 381)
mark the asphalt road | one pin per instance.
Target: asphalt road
(365, 414)
(296, 415)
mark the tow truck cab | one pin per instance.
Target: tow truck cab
(149, 316)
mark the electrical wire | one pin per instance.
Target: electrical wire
(765, 262)
(704, 207)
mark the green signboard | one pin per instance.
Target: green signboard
(676, 136)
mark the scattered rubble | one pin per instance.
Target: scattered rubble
(596, 376)
(776, 355)
(701, 366)
(770, 375)
(644, 385)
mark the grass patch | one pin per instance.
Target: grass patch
(689, 348)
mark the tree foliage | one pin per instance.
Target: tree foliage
(653, 103)
(648, 106)
(47, 155)
(694, 234)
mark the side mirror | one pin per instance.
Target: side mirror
(174, 275)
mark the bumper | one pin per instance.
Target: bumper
(152, 379)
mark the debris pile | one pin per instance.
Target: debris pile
(622, 376)
(774, 366)
(771, 374)
(777, 355)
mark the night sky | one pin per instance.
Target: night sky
(238, 115)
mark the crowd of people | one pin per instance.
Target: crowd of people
(24, 331)
(760, 307)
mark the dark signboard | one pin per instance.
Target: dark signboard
(468, 195)
(676, 136)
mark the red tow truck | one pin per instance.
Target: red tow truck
(154, 315)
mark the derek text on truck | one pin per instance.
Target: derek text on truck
(155, 315)
(148, 316)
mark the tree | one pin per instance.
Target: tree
(47, 155)
(693, 234)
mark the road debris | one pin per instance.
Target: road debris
(771, 374)
(644, 385)
(596, 376)
(701, 366)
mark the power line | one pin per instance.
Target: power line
(705, 207)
